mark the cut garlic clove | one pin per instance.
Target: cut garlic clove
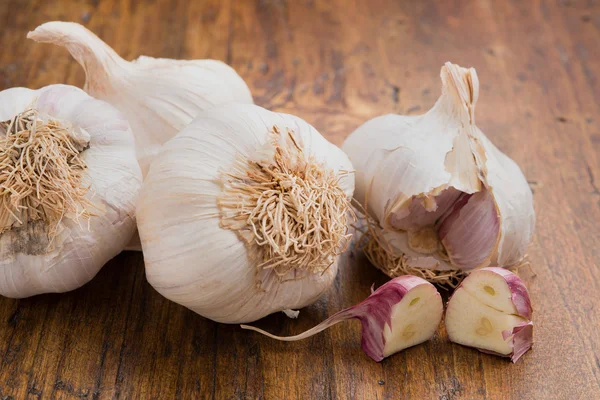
(491, 311)
(402, 313)
(473, 324)
(414, 319)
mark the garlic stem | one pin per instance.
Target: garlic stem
(97, 58)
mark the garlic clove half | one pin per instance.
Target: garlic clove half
(69, 178)
(244, 213)
(435, 187)
(491, 311)
(158, 96)
(402, 313)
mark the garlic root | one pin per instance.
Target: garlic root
(42, 172)
(403, 312)
(288, 206)
(491, 311)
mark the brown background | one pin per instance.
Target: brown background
(336, 64)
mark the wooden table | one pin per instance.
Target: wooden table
(336, 64)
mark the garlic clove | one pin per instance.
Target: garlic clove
(513, 199)
(491, 311)
(202, 192)
(478, 325)
(402, 313)
(158, 96)
(425, 211)
(470, 231)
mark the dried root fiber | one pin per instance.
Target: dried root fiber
(41, 171)
(288, 207)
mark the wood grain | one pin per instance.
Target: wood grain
(336, 63)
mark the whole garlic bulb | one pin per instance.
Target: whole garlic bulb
(69, 179)
(158, 96)
(443, 197)
(244, 213)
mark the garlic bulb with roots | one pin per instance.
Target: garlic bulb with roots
(69, 179)
(158, 96)
(440, 197)
(244, 213)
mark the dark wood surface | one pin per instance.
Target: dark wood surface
(336, 64)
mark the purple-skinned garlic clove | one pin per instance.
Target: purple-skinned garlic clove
(424, 211)
(470, 230)
(403, 312)
(491, 311)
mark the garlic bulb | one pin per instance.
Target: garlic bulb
(441, 195)
(158, 96)
(68, 183)
(244, 213)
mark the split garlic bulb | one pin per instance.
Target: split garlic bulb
(69, 179)
(442, 196)
(158, 96)
(244, 213)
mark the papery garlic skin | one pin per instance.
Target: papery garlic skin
(158, 96)
(190, 257)
(411, 170)
(31, 263)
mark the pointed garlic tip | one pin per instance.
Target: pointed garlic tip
(95, 56)
(404, 312)
(464, 84)
(491, 311)
(438, 194)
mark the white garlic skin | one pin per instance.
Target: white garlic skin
(158, 96)
(77, 253)
(397, 157)
(189, 257)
